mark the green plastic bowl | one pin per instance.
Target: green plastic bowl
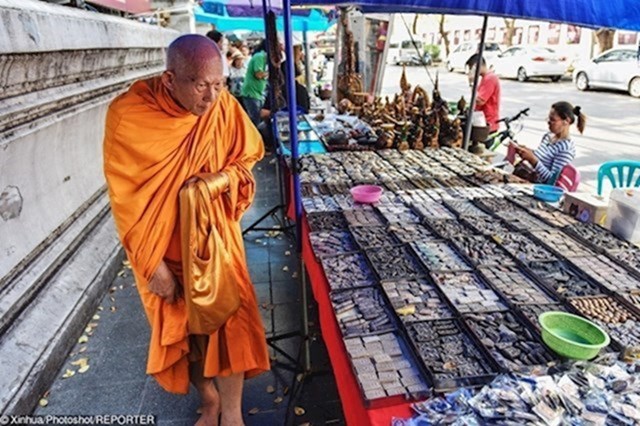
(571, 336)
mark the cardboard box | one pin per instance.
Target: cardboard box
(586, 207)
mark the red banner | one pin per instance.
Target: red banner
(130, 6)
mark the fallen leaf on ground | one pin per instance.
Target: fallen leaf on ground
(68, 373)
(113, 299)
(113, 309)
(80, 362)
(88, 329)
(299, 377)
(43, 402)
(287, 253)
(278, 400)
(121, 273)
(258, 240)
(82, 349)
(273, 358)
(83, 369)
(93, 324)
(286, 268)
(285, 390)
(254, 411)
(46, 394)
(305, 424)
(96, 317)
(121, 286)
(83, 339)
(126, 263)
(299, 411)
(270, 389)
(100, 308)
(294, 275)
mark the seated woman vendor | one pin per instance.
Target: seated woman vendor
(556, 149)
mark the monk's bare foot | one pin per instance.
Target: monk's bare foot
(232, 420)
(210, 409)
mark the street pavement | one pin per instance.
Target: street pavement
(613, 118)
(115, 343)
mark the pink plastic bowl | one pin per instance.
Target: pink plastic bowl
(366, 194)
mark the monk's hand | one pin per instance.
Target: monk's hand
(163, 284)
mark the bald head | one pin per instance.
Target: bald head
(191, 51)
(194, 74)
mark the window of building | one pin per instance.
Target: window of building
(533, 34)
(554, 34)
(573, 34)
(626, 37)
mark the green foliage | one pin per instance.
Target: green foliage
(433, 50)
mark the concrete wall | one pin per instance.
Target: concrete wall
(59, 69)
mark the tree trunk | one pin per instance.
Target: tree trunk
(443, 34)
(414, 27)
(510, 25)
(604, 36)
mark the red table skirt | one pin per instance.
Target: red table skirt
(355, 411)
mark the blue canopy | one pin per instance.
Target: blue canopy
(619, 14)
(311, 20)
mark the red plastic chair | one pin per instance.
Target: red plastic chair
(569, 178)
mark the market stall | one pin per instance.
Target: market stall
(438, 287)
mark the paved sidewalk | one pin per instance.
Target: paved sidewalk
(116, 346)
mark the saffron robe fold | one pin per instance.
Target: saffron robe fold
(151, 147)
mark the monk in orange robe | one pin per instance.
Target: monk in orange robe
(160, 134)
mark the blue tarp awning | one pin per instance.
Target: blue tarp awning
(619, 14)
(309, 20)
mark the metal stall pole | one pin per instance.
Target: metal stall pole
(307, 59)
(293, 132)
(474, 91)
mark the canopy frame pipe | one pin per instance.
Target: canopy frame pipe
(474, 90)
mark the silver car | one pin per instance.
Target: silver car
(613, 69)
(524, 62)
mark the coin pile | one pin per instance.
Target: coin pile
(512, 345)
(512, 282)
(563, 244)
(361, 311)
(373, 236)
(382, 368)
(439, 256)
(327, 221)
(481, 250)
(599, 237)
(331, 243)
(563, 278)
(606, 272)
(410, 233)
(348, 271)
(357, 218)
(447, 351)
(392, 263)
(416, 300)
(468, 293)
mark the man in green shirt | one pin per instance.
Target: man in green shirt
(255, 83)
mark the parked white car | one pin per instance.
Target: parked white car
(524, 62)
(613, 69)
(457, 60)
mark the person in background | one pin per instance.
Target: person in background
(488, 96)
(255, 83)
(237, 72)
(223, 45)
(557, 149)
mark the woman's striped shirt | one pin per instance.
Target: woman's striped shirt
(552, 157)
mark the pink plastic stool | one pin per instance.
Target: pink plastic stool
(569, 178)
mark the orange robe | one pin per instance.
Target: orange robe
(151, 147)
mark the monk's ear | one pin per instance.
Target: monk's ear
(169, 80)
